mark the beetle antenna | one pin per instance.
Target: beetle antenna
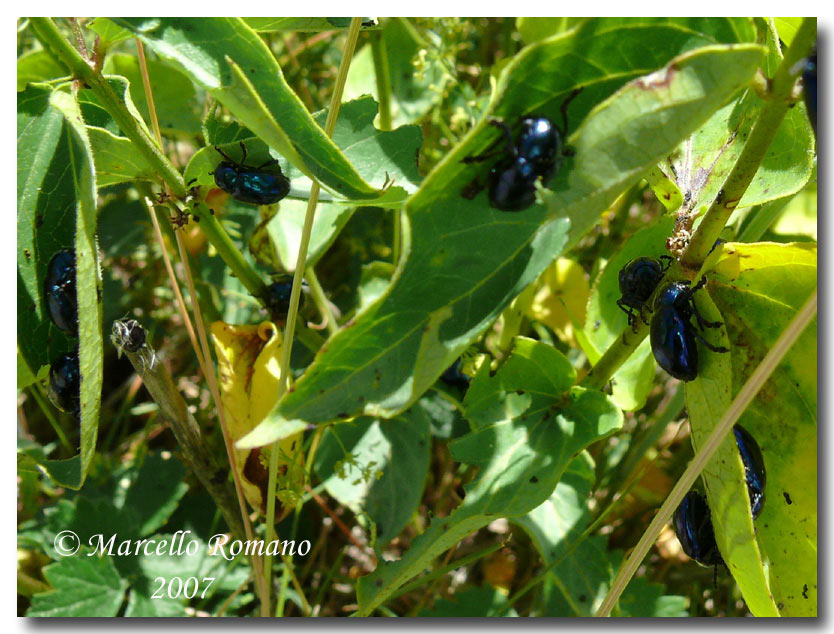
(564, 109)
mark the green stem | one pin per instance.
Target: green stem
(614, 357)
(220, 240)
(37, 393)
(761, 136)
(321, 300)
(762, 218)
(56, 45)
(300, 266)
(383, 79)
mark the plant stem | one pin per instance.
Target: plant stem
(740, 402)
(158, 381)
(383, 79)
(321, 300)
(300, 266)
(55, 44)
(761, 136)
(226, 249)
(382, 73)
(614, 357)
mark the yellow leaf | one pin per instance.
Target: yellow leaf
(248, 361)
(561, 298)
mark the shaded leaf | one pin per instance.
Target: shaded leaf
(384, 476)
(526, 428)
(472, 602)
(37, 66)
(583, 569)
(178, 109)
(156, 492)
(83, 586)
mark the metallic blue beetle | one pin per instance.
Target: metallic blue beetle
(277, 296)
(692, 519)
(453, 376)
(250, 184)
(673, 334)
(535, 154)
(638, 279)
(59, 291)
(693, 526)
(754, 469)
(65, 383)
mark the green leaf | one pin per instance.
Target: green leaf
(56, 203)
(116, 159)
(701, 164)
(178, 108)
(787, 28)
(467, 261)
(378, 156)
(605, 322)
(227, 59)
(37, 66)
(618, 141)
(376, 276)
(645, 599)
(314, 25)
(539, 28)
(386, 471)
(758, 288)
(799, 217)
(108, 30)
(583, 569)
(83, 586)
(156, 492)
(526, 428)
(472, 602)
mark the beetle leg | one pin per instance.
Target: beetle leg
(224, 155)
(472, 189)
(508, 136)
(702, 322)
(243, 148)
(667, 261)
(628, 310)
(271, 161)
(491, 151)
(707, 344)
